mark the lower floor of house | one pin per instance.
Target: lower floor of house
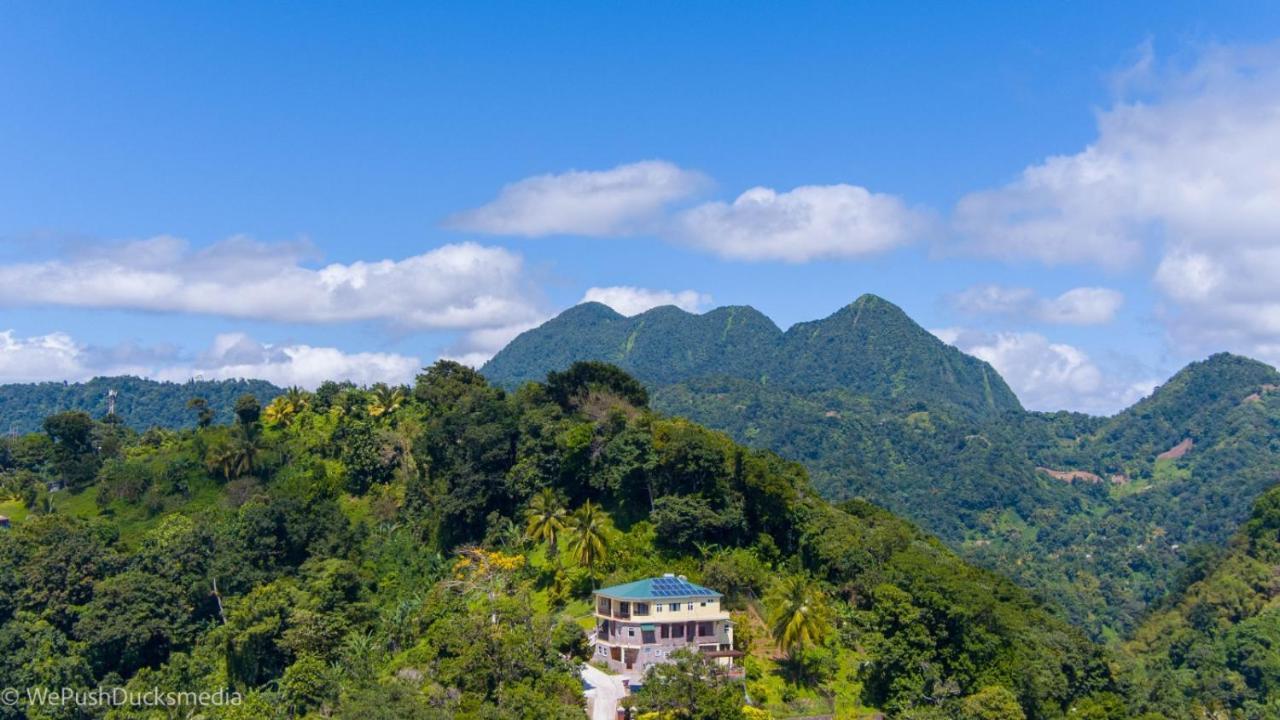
(635, 660)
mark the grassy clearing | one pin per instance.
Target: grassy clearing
(14, 510)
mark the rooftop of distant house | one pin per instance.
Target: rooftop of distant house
(658, 588)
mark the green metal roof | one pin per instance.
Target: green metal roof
(657, 588)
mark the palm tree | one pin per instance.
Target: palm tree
(244, 443)
(385, 400)
(299, 398)
(279, 412)
(545, 519)
(589, 537)
(798, 616)
(223, 459)
(285, 407)
(235, 456)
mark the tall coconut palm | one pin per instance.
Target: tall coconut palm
(545, 519)
(299, 398)
(385, 400)
(244, 441)
(589, 537)
(798, 613)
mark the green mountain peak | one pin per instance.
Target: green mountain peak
(869, 347)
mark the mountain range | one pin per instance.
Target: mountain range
(1098, 516)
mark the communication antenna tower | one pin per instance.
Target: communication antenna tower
(111, 402)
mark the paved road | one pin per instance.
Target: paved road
(606, 689)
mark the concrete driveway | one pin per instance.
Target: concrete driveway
(604, 691)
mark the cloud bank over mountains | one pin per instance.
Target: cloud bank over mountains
(633, 300)
(1048, 375)
(232, 355)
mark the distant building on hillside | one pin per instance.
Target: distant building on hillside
(4, 522)
(641, 623)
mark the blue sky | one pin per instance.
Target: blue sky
(1077, 192)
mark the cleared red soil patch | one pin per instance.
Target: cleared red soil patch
(1070, 476)
(1265, 389)
(1178, 450)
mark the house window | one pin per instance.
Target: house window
(675, 607)
(643, 608)
(658, 607)
(631, 632)
(704, 603)
(677, 631)
(690, 606)
(665, 631)
(705, 629)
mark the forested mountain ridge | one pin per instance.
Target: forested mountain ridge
(1093, 514)
(429, 553)
(665, 344)
(140, 403)
(869, 347)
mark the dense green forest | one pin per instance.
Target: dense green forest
(140, 403)
(1213, 650)
(428, 552)
(878, 408)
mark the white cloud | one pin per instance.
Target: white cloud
(455, 286)
(236, 355)
(619, 201)
(1048, 375)
(1078, 306)
(476, 347)
(1196, 164)
(57, 356)
(1191, 171)
(633, 300)
(807, 223)
(43, 357)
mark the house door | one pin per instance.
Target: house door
(630, 654)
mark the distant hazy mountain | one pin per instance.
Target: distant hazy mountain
(1095, 514)
(140, 403)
